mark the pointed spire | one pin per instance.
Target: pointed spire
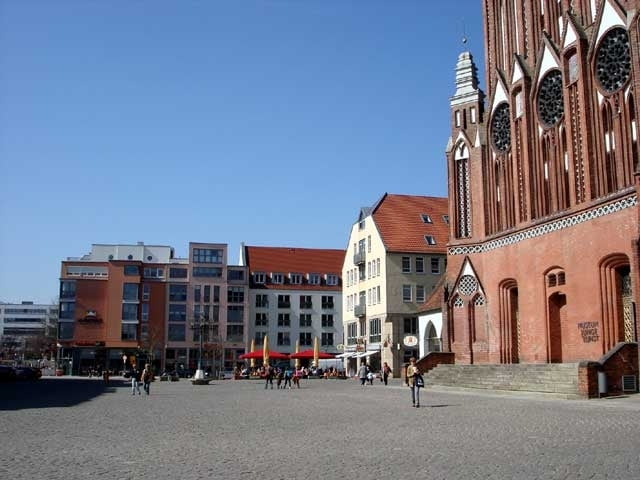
(466, 80)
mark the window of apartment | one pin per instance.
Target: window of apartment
(327, 320)
(369, 297)
(178, 273)
(284, 320)
(131, 270)
(235, 275)
(375, 330)
(207, 255)
(295, 278)
(146, 291)
(305, 320)
(420, 294)
(314, 279)
(177, 312)
(262, 320)
(305, 301)
(327, 301)
(305, 338)
(430, 239)
(144, 313)
(410, 326)
(235, 333)
(235, 294)
(379, 296)
(67, 310)
(176, 332)
(426, 218)
(129, 331)
(215, 312)
(197, 292)
(332, 280)
(65, 330)
(262, 301)
(130, 292)
(352, 333)
(216, 293)
(277, 278)
(197, 309)
(283, 338)
(259, 277)
(369, 244)
(327, 339)
(406, 293)
(419, 264)
(235, 314)
(378, 266)
(67, 289)
(214, 272)
(374, 296)
(406, 264)
(362, 273)
(154, 272)
(259, 337)
(130, 311)
(361, 224)
(435, 265)
(284, 301)
(368, 269)
(207, 294)
(177, 293)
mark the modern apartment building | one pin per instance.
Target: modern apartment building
(294, 295)
(122, 304)
(19, 322)
(395, 257)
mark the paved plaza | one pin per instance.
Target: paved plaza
(80, 429)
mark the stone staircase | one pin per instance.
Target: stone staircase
(560, 379)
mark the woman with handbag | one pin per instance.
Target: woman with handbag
(415, 382)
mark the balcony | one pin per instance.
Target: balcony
(359, 258)
(306, 305)
(284, 304)
(327, 305)
(360, 310)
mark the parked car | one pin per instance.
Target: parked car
(27, 373)
(7, 373)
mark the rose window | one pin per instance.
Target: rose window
(613, 60)
(550, 104)
(468, 285)
(501, 128)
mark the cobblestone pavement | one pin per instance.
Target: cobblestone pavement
(78, 429)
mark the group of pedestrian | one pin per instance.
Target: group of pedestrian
(144, 376)
(414, 379)
(365, 374)
(283, 376)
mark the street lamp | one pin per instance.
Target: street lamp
(201, 324)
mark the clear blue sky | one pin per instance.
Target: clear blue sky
(265, 121)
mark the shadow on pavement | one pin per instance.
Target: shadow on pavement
(53, 392)
(441, 406)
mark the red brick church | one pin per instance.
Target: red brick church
(543, 185)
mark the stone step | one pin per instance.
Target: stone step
(551, 378)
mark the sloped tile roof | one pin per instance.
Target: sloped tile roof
(399, 221)
(287, 260)
(435, 299)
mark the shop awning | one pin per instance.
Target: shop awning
(346, 355)
(367, 354)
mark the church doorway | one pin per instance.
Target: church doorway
(509, 323)
(557, 315)
(431, 340)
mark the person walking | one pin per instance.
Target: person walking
(287, 377)
(147, 376)
(386, 371)
(135, 381)
(268, 372)
(415, 382)
(362, 373)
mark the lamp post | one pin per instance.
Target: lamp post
(201, 324)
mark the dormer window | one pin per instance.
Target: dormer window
(426, 218)
(277, 278)
(313, 278)
(430, 239)
(331, 279)
(295, 278)
(259, 277)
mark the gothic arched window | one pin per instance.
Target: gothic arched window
(501, 128)
(463, 200)
(550, 102)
